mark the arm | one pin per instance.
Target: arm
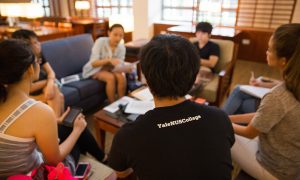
(38, 85)
(47, 140)
(211, 62)
(241, 118)
(124, 174)
(246, 131)
(49, 89)
(258, 82)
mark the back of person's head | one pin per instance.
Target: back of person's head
(24, 34)
(286, 42)
(170, 64)
(15, 58)
(115, 26)
(204, 27)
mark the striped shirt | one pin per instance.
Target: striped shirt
(17, 155)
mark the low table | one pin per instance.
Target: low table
(105, 123)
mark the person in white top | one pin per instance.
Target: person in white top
(108, 52)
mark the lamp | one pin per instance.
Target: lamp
(15, 10)
(82, 5)
(125, 20)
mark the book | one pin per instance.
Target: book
(255, 91)
(124, 67)
(142, 93)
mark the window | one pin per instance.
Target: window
(46, 6)
(217, 12)
(105, 8)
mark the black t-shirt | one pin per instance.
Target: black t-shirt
(209, 49)
(43, 73)
(184, 141)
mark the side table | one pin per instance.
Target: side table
(105, 123)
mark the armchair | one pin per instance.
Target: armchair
(215, 91)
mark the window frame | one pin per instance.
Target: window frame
(111, 7)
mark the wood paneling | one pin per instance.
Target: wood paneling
(161, 27)
(257, 47)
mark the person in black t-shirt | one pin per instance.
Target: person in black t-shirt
(45, 88)
(179, 139)
(209, 53)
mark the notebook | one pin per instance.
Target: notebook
(258, 92)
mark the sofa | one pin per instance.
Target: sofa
(67, 56)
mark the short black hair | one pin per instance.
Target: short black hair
(170, 64)
(115, 26)
(204, 27)
(24, 34)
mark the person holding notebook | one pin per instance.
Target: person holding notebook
(240, 102)
(178, 139)
(269, 146)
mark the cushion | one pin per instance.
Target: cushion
(210, 90)
(67, 56)
(87, 87)
(71, 95)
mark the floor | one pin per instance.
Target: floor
(241, 75)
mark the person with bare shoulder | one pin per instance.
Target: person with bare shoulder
(27, 126)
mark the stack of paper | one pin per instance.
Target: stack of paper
(139, 107)
(143, 94)
(255, 91)
(114, 107)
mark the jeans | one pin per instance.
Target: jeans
(239, 102)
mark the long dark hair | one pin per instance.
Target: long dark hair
(15, 58)
(286, 40)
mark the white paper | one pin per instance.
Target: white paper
(114, 107)
(258, 92)
(124, 67)
(143, 94)
(139, 107)
(69, 79)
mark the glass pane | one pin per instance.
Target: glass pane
(126, 11)
(115, 10)
(178, 3)
(123, 3)
(210, 5)
(46, 3)
(114, 2)
(213, 18)
(230, 3)
(177, 14)
(228, 18)
(103, 2)
(47, 12)
(129, 2)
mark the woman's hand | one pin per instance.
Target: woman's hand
(79, 123)
(253, 81)
(115, 62)
(62, 117)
